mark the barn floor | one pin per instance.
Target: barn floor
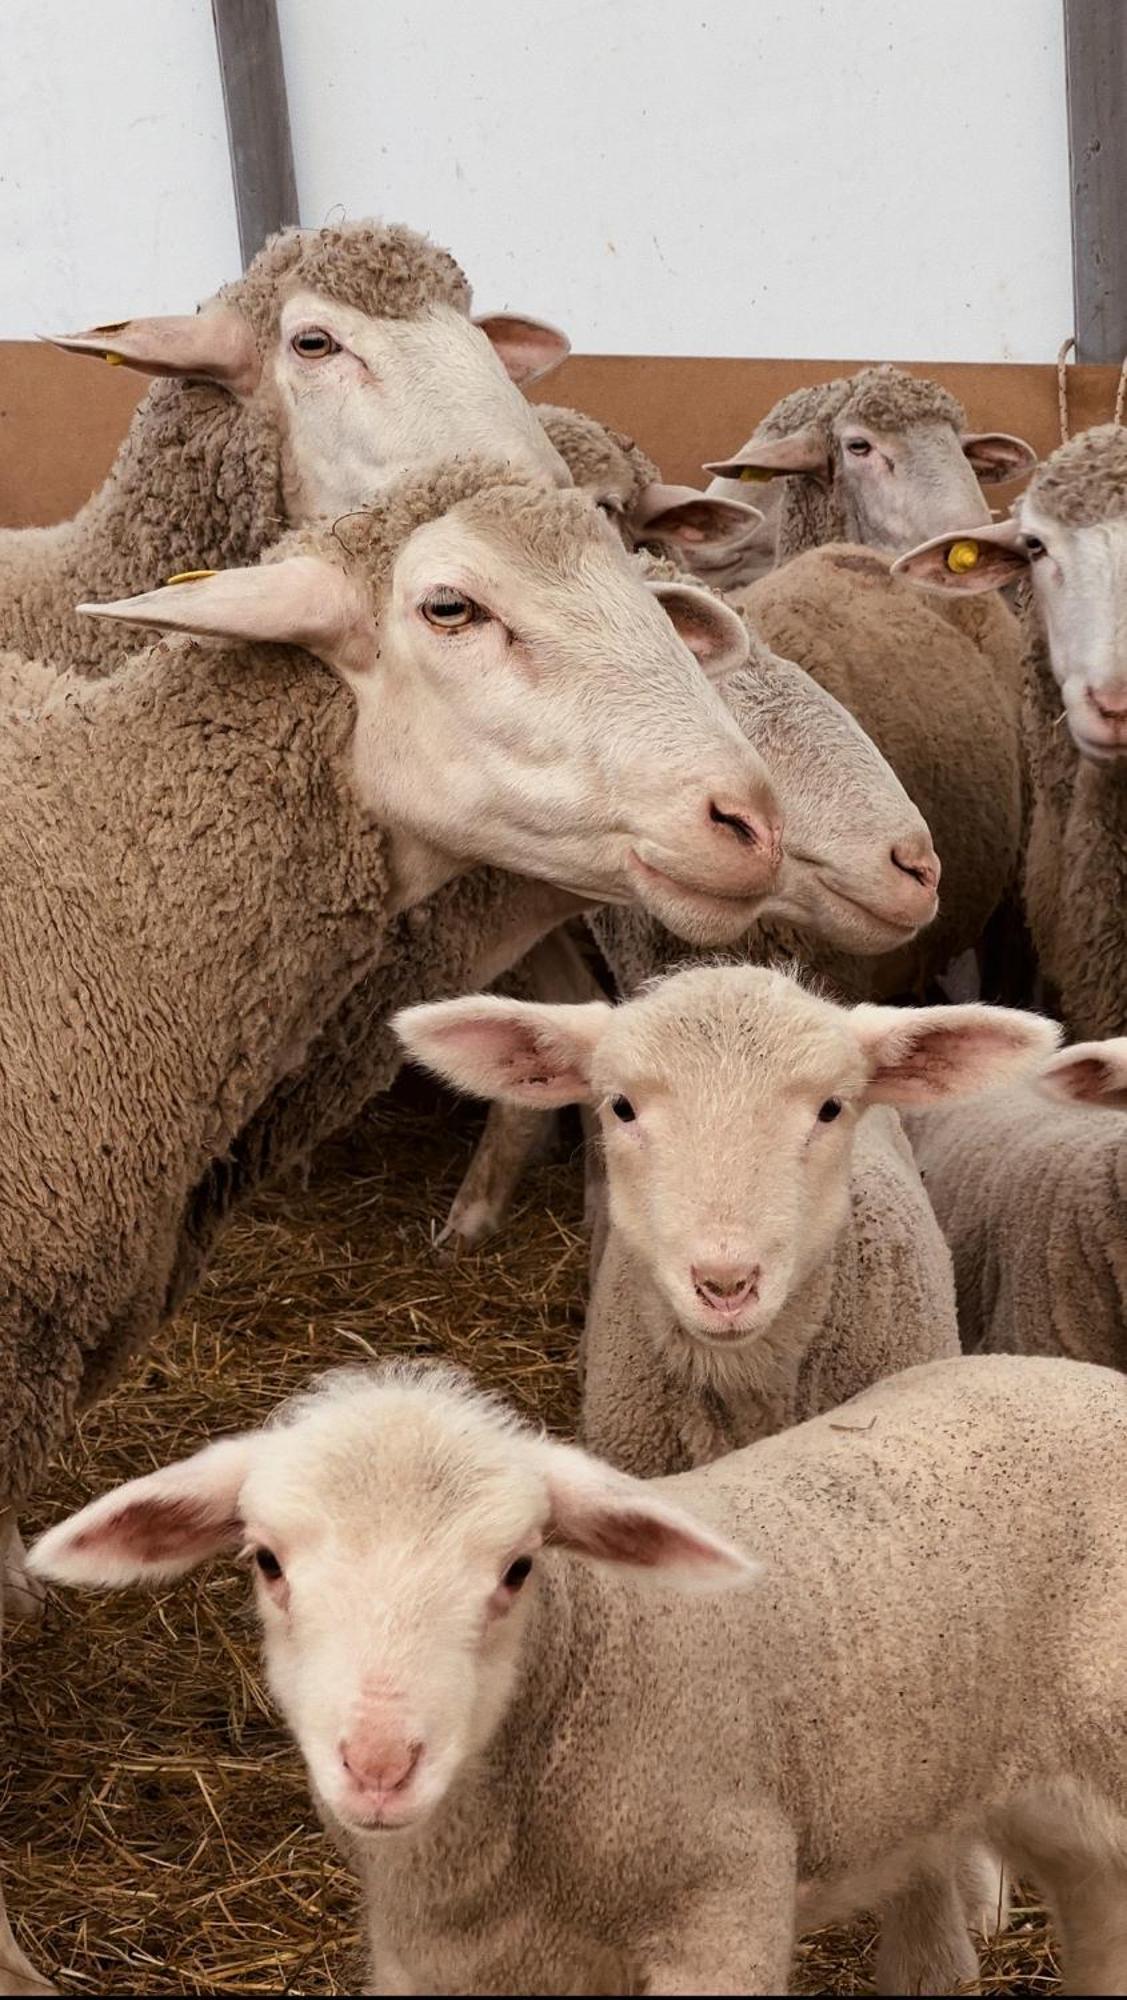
(155, 1830)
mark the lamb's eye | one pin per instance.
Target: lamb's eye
(449, 611)
(623, 1109)
(1034, 547)
(860, 447)
(314, 344)
(830, 1110)
(268, 1563)
(517, 1573)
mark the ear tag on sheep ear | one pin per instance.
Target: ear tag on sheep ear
(755, 475)
(189, 576)
(962, 556)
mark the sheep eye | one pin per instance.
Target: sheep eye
(268, 1564)
(314, 344)
(1034, 547)
(611, 508)
(517, 1573)
(830, 1110)
(449, 611)
(860, 447)
(623, 1109)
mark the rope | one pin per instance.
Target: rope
(1066, 348)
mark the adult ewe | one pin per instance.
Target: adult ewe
(550, 1779)
(1030, 1187)
(202, 856)
(343, 358)
(1068, 534)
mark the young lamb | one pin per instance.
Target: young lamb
(1031, 1194)
(344, 358)
(202, 857)
(581, 1734)
(771, 1250)
(881, 458)
(1068, 533)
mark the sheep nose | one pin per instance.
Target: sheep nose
(917, 857)
(749, 829)
(726, 1287)
(1111, 703)
(380, 1766)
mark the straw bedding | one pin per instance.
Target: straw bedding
(155, 1829)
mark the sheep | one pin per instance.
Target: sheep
(881, 458)
(580, 1733)
(771, 1250)
(344, 357)
(712, 538)
(1031, 1192)
(1067, 534)
(202, 856)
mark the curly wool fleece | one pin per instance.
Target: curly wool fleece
(1085, 481)
(886, 398)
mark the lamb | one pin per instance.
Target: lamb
(771, 1250)
(1067, 534)
(881, 458)
(500, 1659)
(202, 856)
(1031, 1194)
(343, 358)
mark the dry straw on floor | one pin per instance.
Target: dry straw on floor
(155, 1829)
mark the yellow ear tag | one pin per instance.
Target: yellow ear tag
(189, 576)
(962, 556)
(115, 360)
(755, 474)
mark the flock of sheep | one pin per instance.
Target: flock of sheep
(459, 695)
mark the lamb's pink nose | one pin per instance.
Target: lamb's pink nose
(380, 1765)
(1111, 703)
(726, 1287)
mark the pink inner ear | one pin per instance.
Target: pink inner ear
(627, 1537)
(156, 1530)
(517, 1053)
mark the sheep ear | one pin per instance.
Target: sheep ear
(1089, 1073)
(694, 521)
(971, 560)
(218, 346)
(612, 1518)
(715, 634)
(526, 348)
(995, 455)
(301, 601)
(152, 1528)
(769, 458)
(918, 1055)
(512, 1049)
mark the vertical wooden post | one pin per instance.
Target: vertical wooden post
(1095, 44)
(258, 118)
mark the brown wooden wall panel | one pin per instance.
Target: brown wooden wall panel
(62, 417)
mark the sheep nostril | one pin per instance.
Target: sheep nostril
(925, 872)
(741, 827)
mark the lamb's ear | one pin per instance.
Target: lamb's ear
(217, 345)
(769, 458)
(692, 520)
(1089, 1073)
(918, 1055)
(969, 559)
(714, 633)
(528, 348)
(612, 1518)
(995, 455)
(300, 601)
(152, 1528)
(516, 1050)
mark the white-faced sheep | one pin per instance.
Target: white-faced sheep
(771, 1250)
(202, 857)
(1031, 1194)
(1069, 535)
(551, 1779)
(343, 358)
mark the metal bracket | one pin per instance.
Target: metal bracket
(258, 119)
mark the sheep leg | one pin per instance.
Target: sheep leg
(735, 1936)
(24, 1596)
(514, 1136)
(1090, 1907)
(17, 1974)
(925, 1944)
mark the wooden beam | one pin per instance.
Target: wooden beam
(258, 118)
(1095, 49)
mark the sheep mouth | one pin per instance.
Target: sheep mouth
(736, 911)
(1095, 751)
(901, 929)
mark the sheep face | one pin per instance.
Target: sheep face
(393, 1522)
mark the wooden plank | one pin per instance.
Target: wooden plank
(1095, 44)
(258, 119)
